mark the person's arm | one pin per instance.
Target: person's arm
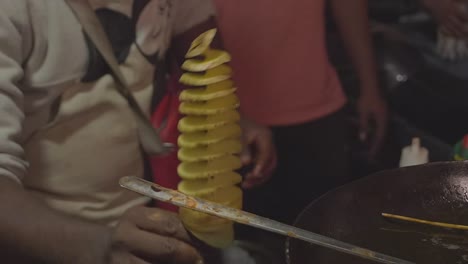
(32, 231)
(259, 150)
(28, 227)
(352, 20)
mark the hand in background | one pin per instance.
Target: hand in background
(259, 151)
(371, 107)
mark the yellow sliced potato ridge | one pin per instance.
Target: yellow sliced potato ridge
(221, 73)
(211, 107)
(209, 92)
(204, 169)
(211, 59)
(201, 44)
(190, 124)
(211, 184)
(210, 152)
(201, 138)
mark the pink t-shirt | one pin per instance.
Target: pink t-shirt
(280, 59)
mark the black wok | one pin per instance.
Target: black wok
(352, 213)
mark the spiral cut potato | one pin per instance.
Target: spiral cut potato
(209, 142)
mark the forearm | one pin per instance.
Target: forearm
(30, 228)
(353, 22)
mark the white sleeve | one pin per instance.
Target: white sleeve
(189, 13)
(12, 164)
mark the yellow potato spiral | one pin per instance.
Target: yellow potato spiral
(209, 143)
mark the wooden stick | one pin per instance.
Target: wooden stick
(420, 221)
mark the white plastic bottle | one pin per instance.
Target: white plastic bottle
(414, 154)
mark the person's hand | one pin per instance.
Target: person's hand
(259, 151)
(371, 107)
(149, 235)
(450, 15)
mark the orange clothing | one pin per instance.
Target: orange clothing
(280, 60)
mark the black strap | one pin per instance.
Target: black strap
(149, 138)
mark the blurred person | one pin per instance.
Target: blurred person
(286, 81)
(67, 136)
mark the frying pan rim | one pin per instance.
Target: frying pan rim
(356, 182)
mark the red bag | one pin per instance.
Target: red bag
(166, 117)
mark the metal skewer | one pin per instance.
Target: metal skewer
(157, 192)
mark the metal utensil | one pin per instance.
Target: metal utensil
(157, 192)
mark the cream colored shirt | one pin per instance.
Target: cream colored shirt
(66, 140)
